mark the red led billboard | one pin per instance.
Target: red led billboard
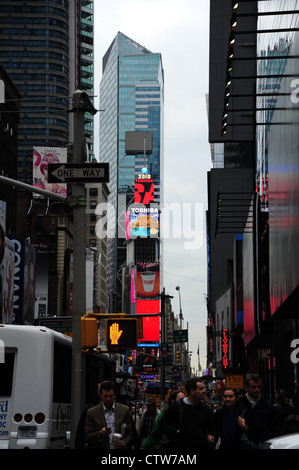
(151, 324)
(144, 191)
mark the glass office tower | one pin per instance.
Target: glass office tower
(131, 95)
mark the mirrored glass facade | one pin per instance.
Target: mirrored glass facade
(277, 172)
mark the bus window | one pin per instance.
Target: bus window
(6, 374)
(62, 380)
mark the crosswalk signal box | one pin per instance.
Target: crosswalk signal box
(121, 334)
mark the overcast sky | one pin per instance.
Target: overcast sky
(179, 30)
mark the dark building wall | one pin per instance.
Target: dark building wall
(231, 184)
(242, 89)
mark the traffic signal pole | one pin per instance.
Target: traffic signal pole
(81, 104)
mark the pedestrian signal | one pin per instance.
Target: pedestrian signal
(121, 334)
(89, 333)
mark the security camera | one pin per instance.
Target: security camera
(81, 102)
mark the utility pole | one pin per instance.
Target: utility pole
(163, 319)
(81, 104)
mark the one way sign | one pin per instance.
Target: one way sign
(78, 172)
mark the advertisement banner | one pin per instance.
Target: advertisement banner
(8, 281)
(150, 324)
(41, 157)
(143, 221)
(148, 280)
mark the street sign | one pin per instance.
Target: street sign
(62, 324)
(180, 336)
(78, 172)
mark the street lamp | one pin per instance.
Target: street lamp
(181, 320)
(181, 314)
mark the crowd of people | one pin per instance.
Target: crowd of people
(188, 422)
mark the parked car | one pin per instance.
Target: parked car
(288, 441)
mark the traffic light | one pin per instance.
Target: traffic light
(121, 334)
(130, 360)
(178, 357)
(89, 332)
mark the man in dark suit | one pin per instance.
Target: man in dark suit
(107, 418)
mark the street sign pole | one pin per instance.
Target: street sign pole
(81, 104)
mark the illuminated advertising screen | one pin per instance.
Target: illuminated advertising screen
(151, 324)
(143, 222)
(147, 359)
(144, 191)
(148, 280)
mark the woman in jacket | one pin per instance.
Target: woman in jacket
(232, 422)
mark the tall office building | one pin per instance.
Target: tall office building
(46, 49)
(131, 95)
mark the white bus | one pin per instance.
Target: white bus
(35, 387)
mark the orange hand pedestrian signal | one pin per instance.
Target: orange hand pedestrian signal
(121, 334)
(115, 333)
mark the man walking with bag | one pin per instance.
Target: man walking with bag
(189, 422)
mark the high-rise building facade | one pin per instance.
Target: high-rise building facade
(254, 101)
(46, 49)
(131, 95)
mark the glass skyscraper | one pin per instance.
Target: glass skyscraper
(132, 97)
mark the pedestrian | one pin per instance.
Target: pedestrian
(108, 418)
(80, 442)
(148, 419)
(232, 423)
(291, 422)
(261, 409)
(189, 423)
(156, 439)
(282, 407)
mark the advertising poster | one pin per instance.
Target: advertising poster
(148, 280)
(18, 301)
(41, 157)
(147, 360)
(8, 282)
(143, 222)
